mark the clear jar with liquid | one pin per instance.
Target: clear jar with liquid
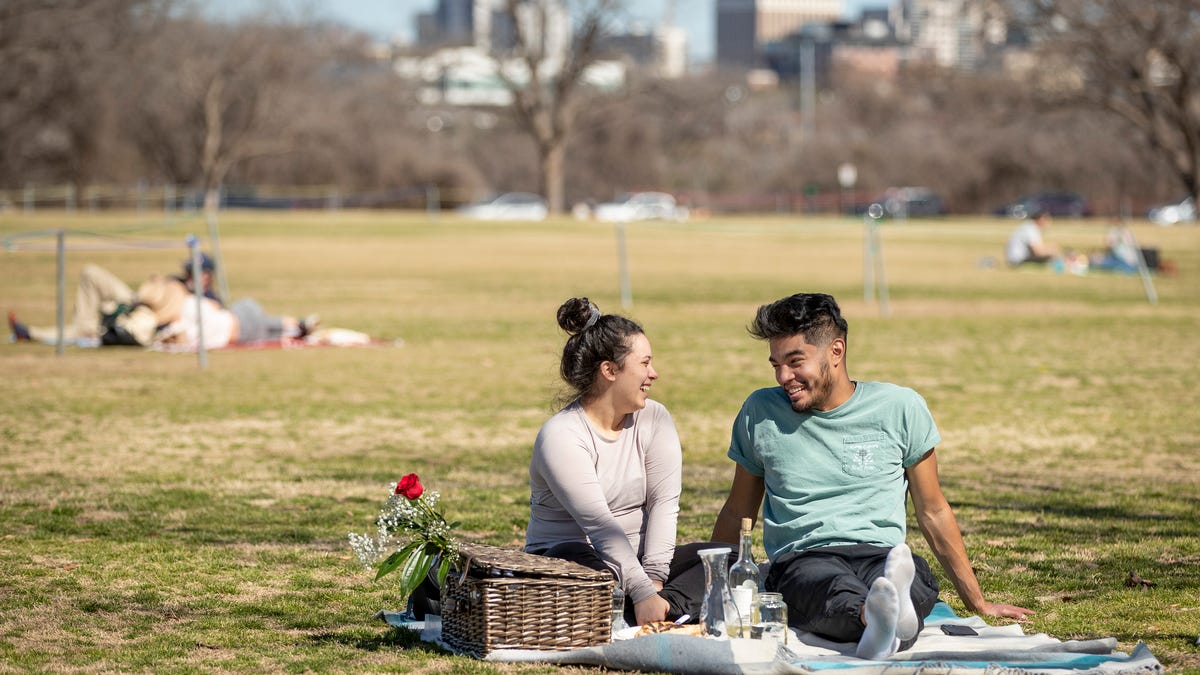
(772, 622)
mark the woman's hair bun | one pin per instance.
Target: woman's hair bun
(576, 314)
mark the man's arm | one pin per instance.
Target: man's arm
(938, 524)
(745, 497)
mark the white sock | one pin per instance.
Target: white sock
(899, 570)
(879, 637)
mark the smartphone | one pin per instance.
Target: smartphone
(956, 629)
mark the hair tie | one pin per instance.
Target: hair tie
(595, 316)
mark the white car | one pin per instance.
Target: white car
(1174, 214)
(508, 206)
(641, 206)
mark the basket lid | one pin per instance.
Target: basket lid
(484, 555)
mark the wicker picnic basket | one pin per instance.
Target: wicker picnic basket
(503, 599)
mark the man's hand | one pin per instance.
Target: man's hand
(1002, 610)
(653, 608)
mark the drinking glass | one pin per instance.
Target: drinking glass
(772, 619)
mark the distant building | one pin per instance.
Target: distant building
(456, 21)
(672, 52)
(466, 77)
(960, 34)
(662, 51)
(745, 27)
(485, 25)
(451, 23)
(638, 45)
(967, 35)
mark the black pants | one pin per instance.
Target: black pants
(825, 588)
(683, 590)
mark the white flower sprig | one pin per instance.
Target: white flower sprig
(412, 528)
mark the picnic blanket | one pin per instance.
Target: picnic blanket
(325, 337)
(999, 649)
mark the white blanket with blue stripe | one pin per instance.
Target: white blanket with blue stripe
(998, 649)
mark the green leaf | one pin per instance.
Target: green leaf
(396, 559)
(444, 569)
(415, 569)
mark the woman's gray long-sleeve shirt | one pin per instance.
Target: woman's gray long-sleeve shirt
(621, 496)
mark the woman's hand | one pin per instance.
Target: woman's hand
(653, 608)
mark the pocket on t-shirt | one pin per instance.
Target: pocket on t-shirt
(860, 454)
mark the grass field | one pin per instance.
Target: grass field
(156, 517)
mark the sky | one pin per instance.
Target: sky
(386, 19)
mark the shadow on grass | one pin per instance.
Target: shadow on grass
(396, 638)
(1148, 511)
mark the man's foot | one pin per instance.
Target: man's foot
(308, 324)
(899, 569)
(879, 639)
(20, 332)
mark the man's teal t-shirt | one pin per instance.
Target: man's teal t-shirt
(833, 478)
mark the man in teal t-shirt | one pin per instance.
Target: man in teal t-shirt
(830, 462)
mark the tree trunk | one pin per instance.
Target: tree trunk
(551, 156)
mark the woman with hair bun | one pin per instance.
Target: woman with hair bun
(606, 469)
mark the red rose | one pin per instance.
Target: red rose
(410, 486)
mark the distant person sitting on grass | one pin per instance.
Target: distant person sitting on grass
(108, 312)
(831, 462)
(1027, 245)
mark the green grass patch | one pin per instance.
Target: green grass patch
(157, 517)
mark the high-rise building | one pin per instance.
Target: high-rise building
(455, 20)
(545, 24)
(451, 23)
(485, 25)
(744, 27)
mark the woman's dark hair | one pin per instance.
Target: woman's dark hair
(595, 338)
(815, 316)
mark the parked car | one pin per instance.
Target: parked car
(641, 206)
(1176, 213)
(508, 206)
(1057, 204)
(911, 202)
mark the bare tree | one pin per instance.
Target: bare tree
(545, 92)
(1137, 60)
(211, 95)
(56, 99)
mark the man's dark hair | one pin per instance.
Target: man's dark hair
(816, 316)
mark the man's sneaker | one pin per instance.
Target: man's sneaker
(20, 333)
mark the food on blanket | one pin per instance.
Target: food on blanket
(655, 627)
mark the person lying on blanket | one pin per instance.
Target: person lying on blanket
(243, 322)
(107, 311)
(829, 460)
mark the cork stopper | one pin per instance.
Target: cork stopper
(747, 525)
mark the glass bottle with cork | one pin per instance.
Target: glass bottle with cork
(744, 584)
